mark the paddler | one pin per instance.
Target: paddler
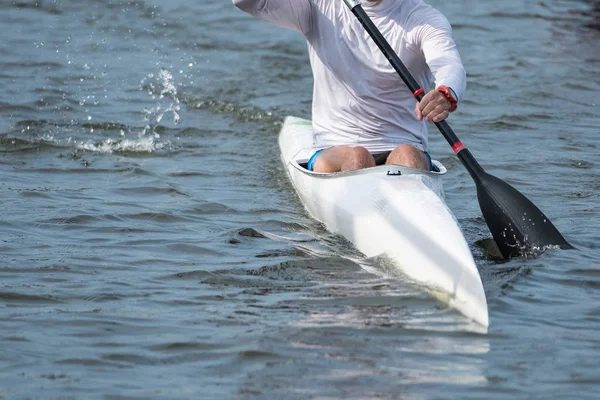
(360, 106)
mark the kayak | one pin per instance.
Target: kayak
(394, 212)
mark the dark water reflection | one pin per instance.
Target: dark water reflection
(595, 16)
(152, 246)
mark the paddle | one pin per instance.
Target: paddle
(517, 225)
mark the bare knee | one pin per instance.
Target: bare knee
(343, 158)
(356, 158)
(408, 155)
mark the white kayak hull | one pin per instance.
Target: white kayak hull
(390, 211)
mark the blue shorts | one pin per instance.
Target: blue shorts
(311, 161)
(430, 162)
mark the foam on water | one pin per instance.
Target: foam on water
(141, 145)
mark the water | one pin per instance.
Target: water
(153, 248)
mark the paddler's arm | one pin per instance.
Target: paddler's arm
(439, 49)
(291, 14)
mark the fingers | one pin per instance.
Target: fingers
(418, 111)
(433, 107)
(441, 116)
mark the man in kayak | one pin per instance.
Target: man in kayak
(360, 105)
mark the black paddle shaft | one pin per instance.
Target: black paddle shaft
(517, 225)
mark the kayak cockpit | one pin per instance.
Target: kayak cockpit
(380, 159)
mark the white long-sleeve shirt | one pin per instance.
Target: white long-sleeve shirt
(358, 98)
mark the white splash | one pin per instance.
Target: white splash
(160, 87)
(168, 101)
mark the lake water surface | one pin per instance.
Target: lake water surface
(152, 246)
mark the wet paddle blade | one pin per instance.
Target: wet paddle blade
(517, 225)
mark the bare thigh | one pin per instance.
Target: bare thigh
(409, 156)
(343, 158)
